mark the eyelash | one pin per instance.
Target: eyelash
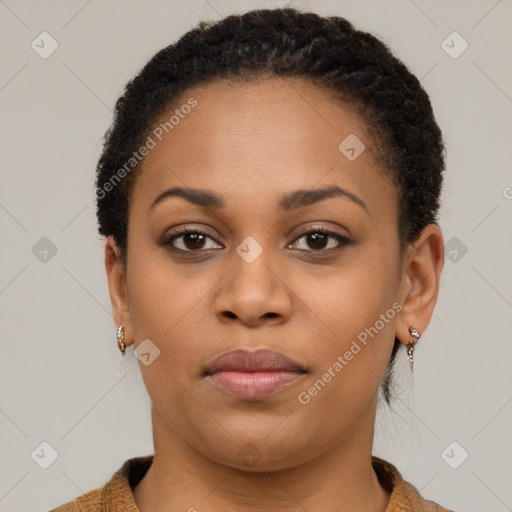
(342, 240)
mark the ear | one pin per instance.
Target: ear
(116, 275)
(422, 266)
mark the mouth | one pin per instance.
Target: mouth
(253, 375)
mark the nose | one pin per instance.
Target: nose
(254, 293)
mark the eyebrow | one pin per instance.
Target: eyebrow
(293, 200)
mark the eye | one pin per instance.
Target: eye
(318, 240)
(190, 240)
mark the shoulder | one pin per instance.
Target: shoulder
(89, 502)
(116, 495)
(404, 497)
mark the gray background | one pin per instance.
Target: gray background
(59, 355)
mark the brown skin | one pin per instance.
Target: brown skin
(252, 143)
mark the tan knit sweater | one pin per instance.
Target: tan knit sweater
(116, 495)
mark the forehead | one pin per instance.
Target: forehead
(261, 139)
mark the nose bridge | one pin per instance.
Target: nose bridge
(253, 289)
(252, 273)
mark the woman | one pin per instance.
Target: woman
(269, 193)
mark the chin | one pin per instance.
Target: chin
(264, 455)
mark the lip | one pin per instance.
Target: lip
(253, 375)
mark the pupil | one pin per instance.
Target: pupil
(315, 237)
(195, 237)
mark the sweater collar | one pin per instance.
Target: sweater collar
(117, 494)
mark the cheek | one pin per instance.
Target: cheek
(168, 306)
(161, 294)
(161, 312)
(357, 320)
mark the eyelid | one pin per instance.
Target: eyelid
(187, 228)
(321, 227)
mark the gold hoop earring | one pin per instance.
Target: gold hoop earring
(121, 345)
(120, 339)
(415, 336)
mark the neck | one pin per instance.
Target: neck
(182, 479)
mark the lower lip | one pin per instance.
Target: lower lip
(253, 385)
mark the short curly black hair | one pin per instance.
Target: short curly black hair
(358, 68)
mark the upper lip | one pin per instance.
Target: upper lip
(259, 360)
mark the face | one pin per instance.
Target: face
(314, 276)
